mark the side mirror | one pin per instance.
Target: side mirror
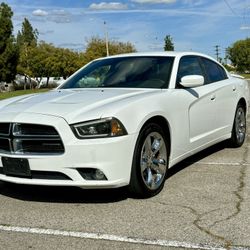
(192, 81)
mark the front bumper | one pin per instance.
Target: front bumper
(113, 156)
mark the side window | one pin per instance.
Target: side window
(214, 71)
(189, 65)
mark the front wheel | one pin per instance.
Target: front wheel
(239, 127)
(150, 162)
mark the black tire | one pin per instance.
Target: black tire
(239, 127)
(150, 181)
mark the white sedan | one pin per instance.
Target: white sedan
(122, 121)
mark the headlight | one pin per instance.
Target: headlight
(107, 127)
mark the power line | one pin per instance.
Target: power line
(246, 25)
(246, 8)
(229, 6)
(244, 16)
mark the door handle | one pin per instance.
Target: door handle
(212, 97)
(234, 88)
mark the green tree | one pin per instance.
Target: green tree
(6, 25)
(26, 41)
(41, 60)
(169, 45)
(46, 60)
(70, 62)
(28, 35)
(239, 54)
(96, 47)
(8, 49)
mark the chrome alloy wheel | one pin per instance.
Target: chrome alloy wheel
(240, 125)
(153, 161)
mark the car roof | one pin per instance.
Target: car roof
(160, 53)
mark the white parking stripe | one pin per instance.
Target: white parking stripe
(114, 238)
(220, 163)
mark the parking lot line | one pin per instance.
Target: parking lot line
(220, 163)
(114, 238)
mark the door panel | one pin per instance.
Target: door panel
(209, 109)
(201, 109)
(226, 95)
(226, 101)
(202, 115)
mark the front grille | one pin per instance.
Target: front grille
(20, 138)
(4, 128)
(34, 130)
(4, 144)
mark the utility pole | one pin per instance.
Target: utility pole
(217, 53)
(106, 39)
(226, 54)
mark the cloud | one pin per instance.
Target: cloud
(164, 11)
(154, 1)
(39, 12)
(245, 27)
(56, 15)
(194, 2)
(108, 6)
(46, 32)
(60, 13)
(60, 16)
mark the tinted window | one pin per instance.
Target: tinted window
(214, 71)
(189, 65)
(124, 72)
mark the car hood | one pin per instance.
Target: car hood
(71, 104)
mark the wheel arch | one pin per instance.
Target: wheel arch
(136, 185)
(243, 102)
(239, 126)
(164, 124)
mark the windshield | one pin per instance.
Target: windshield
(123, 72)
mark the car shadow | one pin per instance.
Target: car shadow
(78, 195)
(196, 158)
(62, 194)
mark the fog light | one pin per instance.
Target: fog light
(92, 174)
(99, 175)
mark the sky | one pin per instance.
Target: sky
(196, 25)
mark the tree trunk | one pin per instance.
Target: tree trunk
(25, 82)
(47, 84)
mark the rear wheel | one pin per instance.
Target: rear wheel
(150, 162)
(239, 127)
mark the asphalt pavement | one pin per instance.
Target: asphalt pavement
(204, 205)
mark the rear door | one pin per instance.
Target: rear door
(225, 96)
